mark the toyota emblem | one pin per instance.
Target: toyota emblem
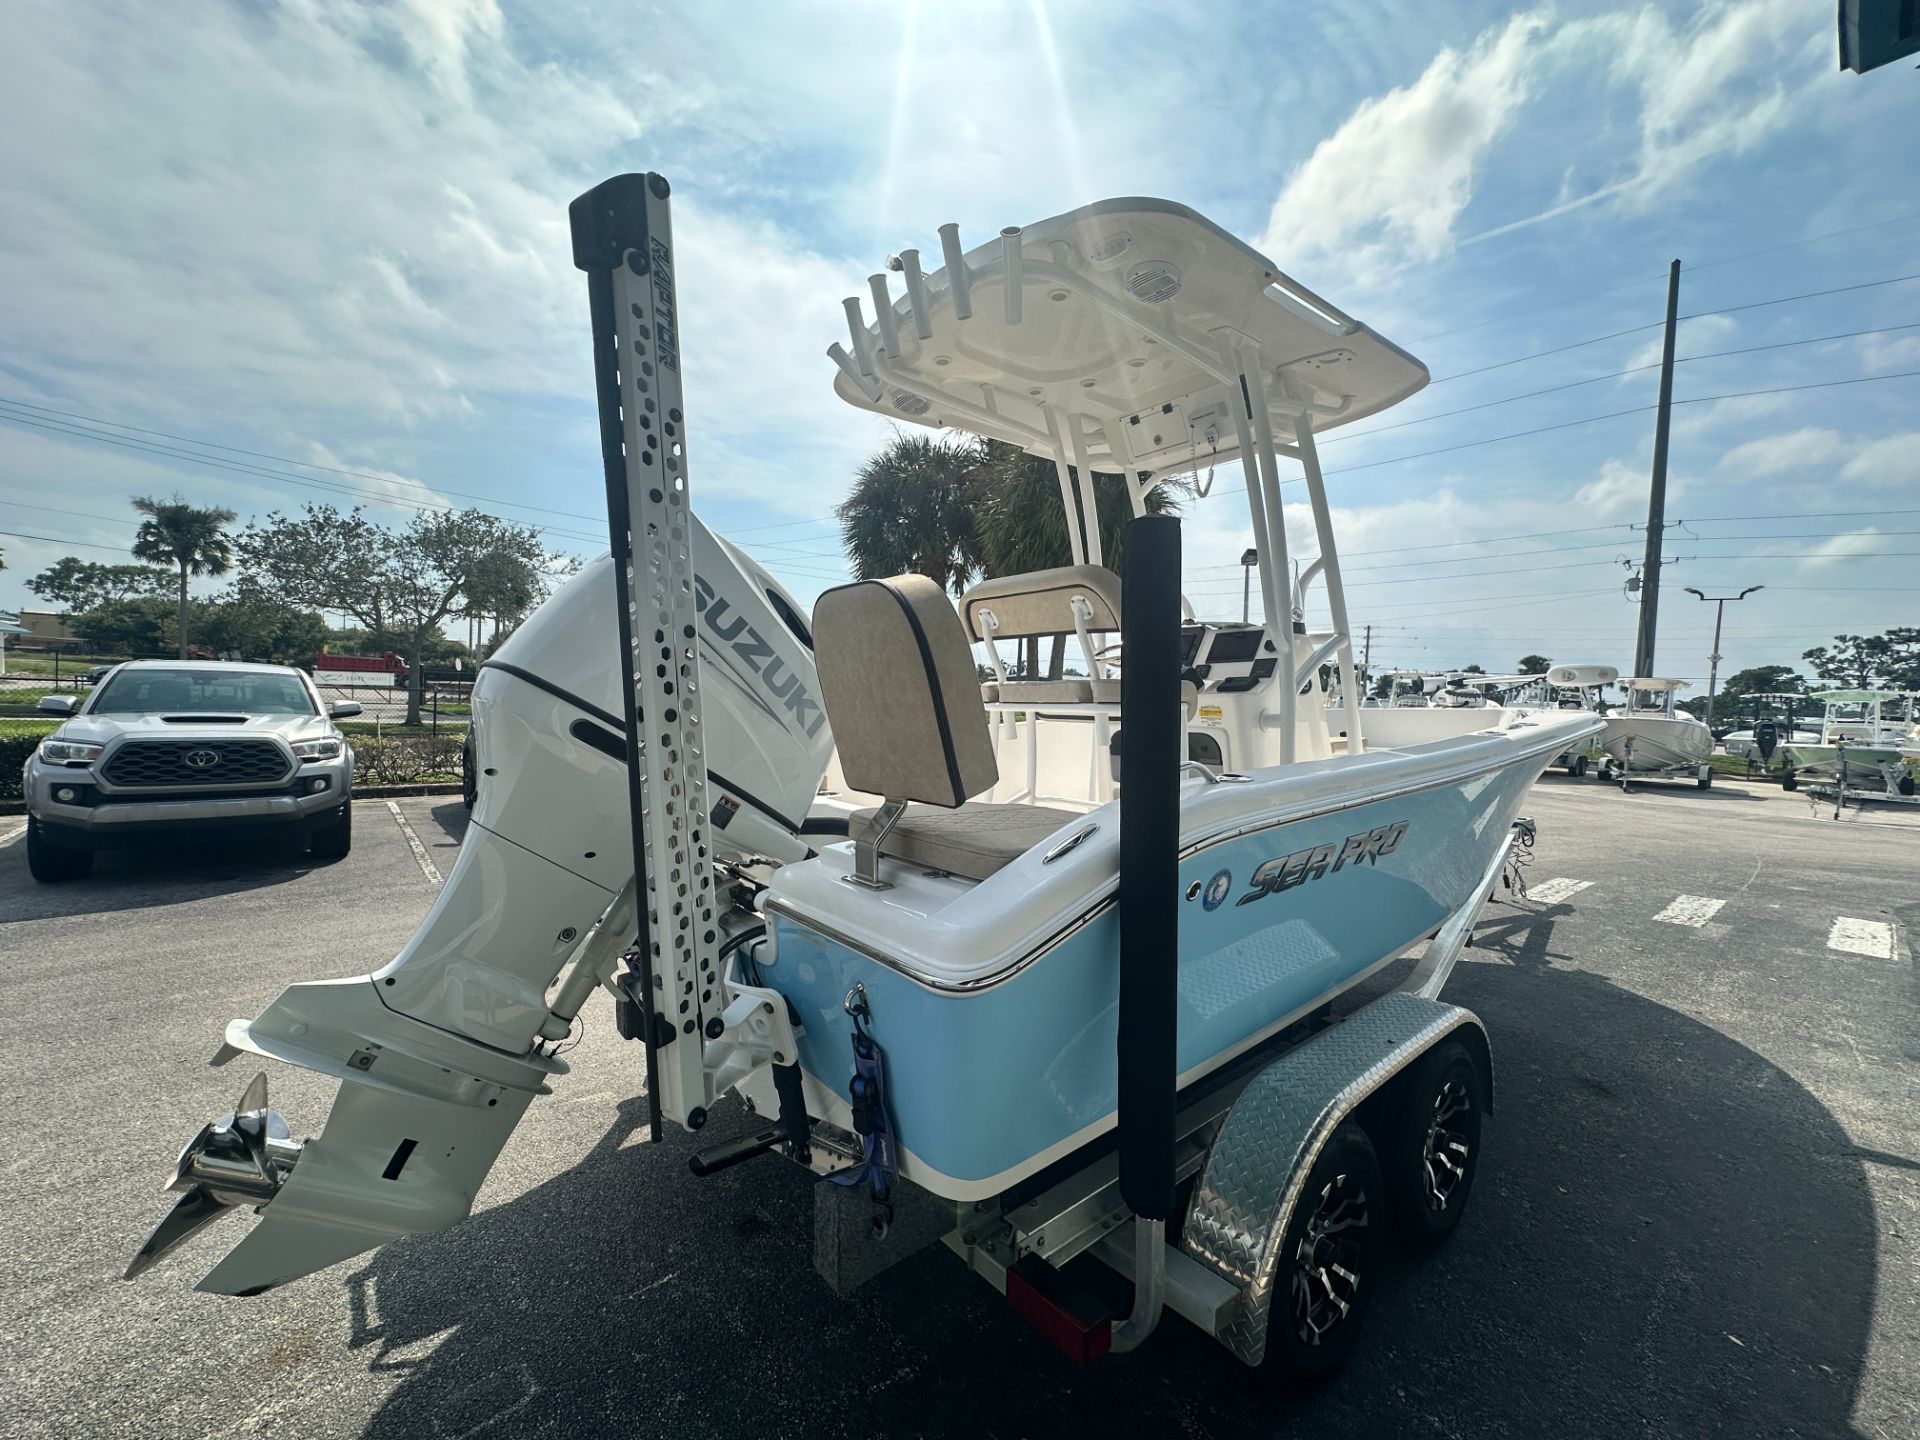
(202, 759)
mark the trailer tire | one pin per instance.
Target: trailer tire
(1434, 1149)
(1906, 785)
(1317, 1309)
(1579, 767)
(1789, 781)
(1706, 777)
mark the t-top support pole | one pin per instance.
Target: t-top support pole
(1329, 565)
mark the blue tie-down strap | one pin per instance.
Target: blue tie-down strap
(872, 1120)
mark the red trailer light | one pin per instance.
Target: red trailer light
(1077, 1324)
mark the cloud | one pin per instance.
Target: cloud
(1697, 335)
(1393, 180)
(1390, 185)
(1618, 491)
(1803, 449)
(1894, 460)
(1841, 547)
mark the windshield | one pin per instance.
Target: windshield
(201, 692)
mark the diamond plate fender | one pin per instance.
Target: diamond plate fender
(1274, 1133)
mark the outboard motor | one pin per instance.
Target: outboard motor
(441, 1050)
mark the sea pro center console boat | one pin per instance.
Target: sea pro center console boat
(1650, 739)
(1031, 1032)
(1565, 687)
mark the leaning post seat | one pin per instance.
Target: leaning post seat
(1084, 599)
(897, 677)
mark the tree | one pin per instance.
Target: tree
(255, 625)
(75, 584)
(911, 510)
(191, 539)
(1472, 670)
(1535, 664)
(400, 584)
(140, 626)
(1864, 662)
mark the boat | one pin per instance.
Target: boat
(1651, 738)
(1860, 746)
(1562, 688)
(1049, 1025)
(1419, 706)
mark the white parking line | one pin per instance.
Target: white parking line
(1693, 910)
(13, 834)
(1861, 937)
(1552, 892)
(427, 867)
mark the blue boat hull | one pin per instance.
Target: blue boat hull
(991, 1083)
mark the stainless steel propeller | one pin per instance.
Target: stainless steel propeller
(242, 1158)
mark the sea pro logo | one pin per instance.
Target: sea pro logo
(1215, 895)
(1286, 871)
(730, 629)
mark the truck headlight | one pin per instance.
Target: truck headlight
(316, 749)
(69, 752)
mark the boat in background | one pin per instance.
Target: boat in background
(1651, 739)
(1861, 746)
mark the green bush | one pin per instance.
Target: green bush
(406, 759)
(14, 750)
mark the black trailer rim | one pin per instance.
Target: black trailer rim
(1329, 1260)
(1448, 1149)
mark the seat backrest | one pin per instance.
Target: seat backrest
(1040, 602)
(901, 692)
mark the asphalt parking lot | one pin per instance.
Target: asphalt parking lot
(1700, 1212)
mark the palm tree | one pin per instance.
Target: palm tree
(912, 509)
(182, 535)
(1023, 525)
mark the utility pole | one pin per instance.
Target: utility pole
(1657, 491)
(1247, 561)
(1366, 655)
(1713, 660)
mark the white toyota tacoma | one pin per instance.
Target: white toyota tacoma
(162, 752)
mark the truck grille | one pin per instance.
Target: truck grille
(184, 762)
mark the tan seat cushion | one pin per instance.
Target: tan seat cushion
(1107, 692)
(901, 691)
(990, 691)
(1046, 692)
(974, 841)
(1040, 602)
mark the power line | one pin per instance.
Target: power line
(1652, 279)
(1656, 324)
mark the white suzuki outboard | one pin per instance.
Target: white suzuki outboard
(443, 1048)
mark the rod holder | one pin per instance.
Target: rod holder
(1013, 272)
(857, 332)
(917, 293)
(883, 313)
(959, 282)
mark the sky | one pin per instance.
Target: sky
(266, 254)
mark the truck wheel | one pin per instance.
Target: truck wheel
(332, 842)
(1435, 1144)
(54, 863)
(1330, 1259)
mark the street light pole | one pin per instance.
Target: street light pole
(1713, 660)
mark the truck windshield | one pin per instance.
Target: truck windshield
(201, 692)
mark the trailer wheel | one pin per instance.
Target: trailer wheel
(1789, 781)
(1706, 777)
(1579, 767)
(1330, 1259)
(1906, 786)
(1435, 1148)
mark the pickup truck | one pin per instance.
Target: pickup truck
(165, 751)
